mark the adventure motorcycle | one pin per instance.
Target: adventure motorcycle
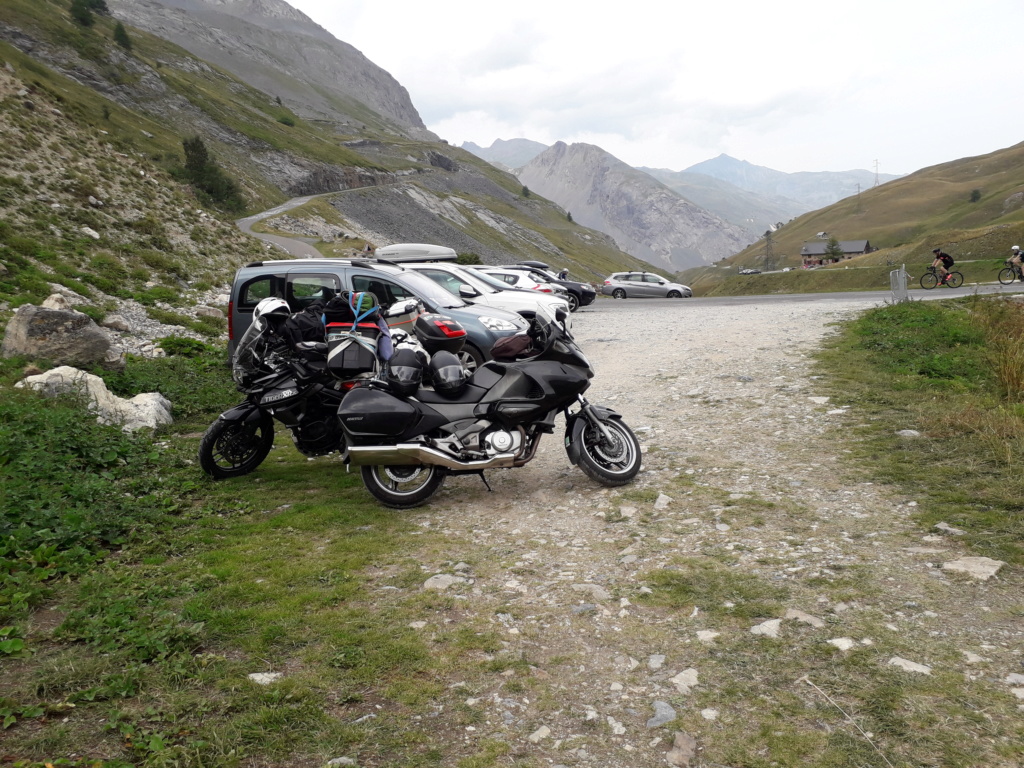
(407, 442)
(301, 384)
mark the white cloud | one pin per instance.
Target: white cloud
(794, 85)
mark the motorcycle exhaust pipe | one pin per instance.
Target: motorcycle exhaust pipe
(415, 453)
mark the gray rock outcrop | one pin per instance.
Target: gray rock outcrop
(62, 336)
(148, 410)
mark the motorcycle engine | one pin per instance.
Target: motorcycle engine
(500, 441)
(317, 433)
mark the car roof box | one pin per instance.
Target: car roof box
(407, 252)
(535, 264)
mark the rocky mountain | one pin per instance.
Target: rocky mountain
(282, 52)
(814, 189)
(747, 210)
(643, 216)
(513, 153)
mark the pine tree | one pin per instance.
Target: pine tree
(121, 37)
(81, 13)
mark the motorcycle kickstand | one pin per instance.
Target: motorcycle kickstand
(486, 484)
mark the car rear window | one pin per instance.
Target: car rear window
(254, 291)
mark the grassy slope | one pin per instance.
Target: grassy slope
(905, 218)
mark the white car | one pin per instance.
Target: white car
(531, 281)
(477, 287)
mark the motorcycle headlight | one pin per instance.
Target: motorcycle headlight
(498, 324)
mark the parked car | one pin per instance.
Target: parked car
(301, 281)
(530, 280)
(643, 285)
(749, 271)
(580, 294)
(477, 287)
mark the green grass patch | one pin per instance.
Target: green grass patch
(953, 372)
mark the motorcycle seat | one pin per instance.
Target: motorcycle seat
(471, 394)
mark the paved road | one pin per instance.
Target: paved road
(604, 304)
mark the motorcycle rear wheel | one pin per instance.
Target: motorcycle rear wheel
(403, 486)
(610, 462)
(233, 449)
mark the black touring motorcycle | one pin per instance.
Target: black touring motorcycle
(408, 436)
(288, 372)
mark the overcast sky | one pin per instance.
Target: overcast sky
(795, 85)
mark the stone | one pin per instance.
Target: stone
(983, 568)
(685, 681)
(204, 311)
(806, 618)
(148, 410)
(684, 748)
(597, 592)
(442, 581)
(908, 433)
(818, 400)
(64, 337)
(342, 761)
(768, 628)
(116, 322)
(90, 232)
(709, 714)
(265, 678)
(949, 529)
(656, 661)
(662, 501)
(910, 666)
(541, 733)
(707, 636)
(663, 713)
(842, 643)
(57, 301)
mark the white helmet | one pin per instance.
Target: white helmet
(271, 306)
(1015, 248)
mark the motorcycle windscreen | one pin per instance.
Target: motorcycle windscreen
(369, 412)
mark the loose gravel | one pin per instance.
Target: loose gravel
(744, 460)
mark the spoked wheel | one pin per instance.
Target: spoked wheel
(403, 486)
(574, 302)
(674, 295)
(612, 460)
(470, 358)
(618, 293)
(955, 280)
(929, 280)
(233, 449)
(1007, 275)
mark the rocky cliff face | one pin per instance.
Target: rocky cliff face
(279, 50)
(643, 216)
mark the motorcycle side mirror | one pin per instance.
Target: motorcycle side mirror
(560, 315)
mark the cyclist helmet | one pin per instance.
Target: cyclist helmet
(1015, 248)
(271, 307)
(936, 250)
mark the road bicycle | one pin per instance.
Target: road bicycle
(1010, 273)
(930, 279)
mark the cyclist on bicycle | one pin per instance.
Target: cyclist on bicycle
(942, 262)
(1015, 261)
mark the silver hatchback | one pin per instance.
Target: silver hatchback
(643, 285)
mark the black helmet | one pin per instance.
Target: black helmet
(405, 372)
(447, 374)
(936, 250)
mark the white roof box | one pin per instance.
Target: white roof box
(415, 252)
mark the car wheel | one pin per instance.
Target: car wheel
(674, 295)
(470, 358)
(574, 302)
(618, 293)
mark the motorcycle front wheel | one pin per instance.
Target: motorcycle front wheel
(235, 448)
(612, 460)
(403, 486)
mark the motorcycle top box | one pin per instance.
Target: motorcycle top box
(439, 333)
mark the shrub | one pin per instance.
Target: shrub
(184, 346)
(287, 120)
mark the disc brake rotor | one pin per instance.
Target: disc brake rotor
(612, 450)
(399, 474)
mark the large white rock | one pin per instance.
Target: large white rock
(147, 410)
(983, 568)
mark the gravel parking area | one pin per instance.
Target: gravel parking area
(745, 465)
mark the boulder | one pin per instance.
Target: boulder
(57, 301)
(62, 336)
(148, 410)
(204, 311)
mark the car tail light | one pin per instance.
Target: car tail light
(231, 321)
(544, 290)
(607, 282)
